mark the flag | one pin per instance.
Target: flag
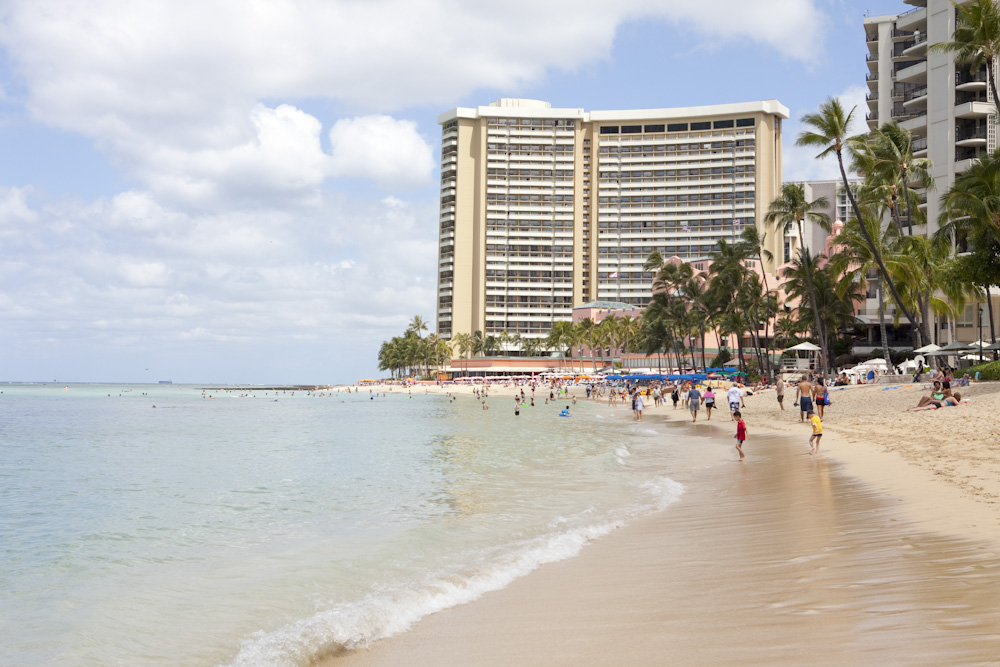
(613, 275)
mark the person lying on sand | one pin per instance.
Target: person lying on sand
(931, 404)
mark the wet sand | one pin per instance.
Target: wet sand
(786, 559)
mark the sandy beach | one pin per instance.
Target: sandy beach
(883, 548)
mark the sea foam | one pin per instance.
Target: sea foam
(382, 614)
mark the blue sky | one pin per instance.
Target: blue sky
(222, 191)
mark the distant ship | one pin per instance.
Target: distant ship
(166, 381)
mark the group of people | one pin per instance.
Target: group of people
(941, 396)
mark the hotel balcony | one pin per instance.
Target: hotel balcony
(966, 82)
(919, 147)
(915, 98)
(872, 99)
(872, 79)
(916, 124)
(915, 19)
(971, 137)
(917, 47)
(974, 110)
(915, 73)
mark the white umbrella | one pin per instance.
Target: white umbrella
(928, 348)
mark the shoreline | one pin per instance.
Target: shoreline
(949, 480)
(576, 609)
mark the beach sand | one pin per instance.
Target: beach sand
(883, 548)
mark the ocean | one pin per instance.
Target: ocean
(261, 528)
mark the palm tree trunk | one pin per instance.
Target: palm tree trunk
(989, 308)
(871, 244)
(993, 84)
(704, 366)
(807, 261)
(882, 329)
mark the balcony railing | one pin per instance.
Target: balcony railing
(966, 154)
(962, 75)
(871, 57)
(872, 76)
(919, 144)
(914, 93)
(971, 133)
(899, 47)
(896, 32)
(898, 67)
(871, 96)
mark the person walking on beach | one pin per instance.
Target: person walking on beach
(735, 397)
(709, 402)
(819, 396)
(694, 402)
(779, 388)
(816, 434)
(675, 396)
(803, 397)
(639, 404)
(741, 433)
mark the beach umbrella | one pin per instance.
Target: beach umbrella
(992, 348)
(956, 346)
(927, 348)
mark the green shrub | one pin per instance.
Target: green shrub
(987, 371)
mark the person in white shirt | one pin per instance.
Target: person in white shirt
(735, 397)
(638, 406)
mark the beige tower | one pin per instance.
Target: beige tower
(545, 209)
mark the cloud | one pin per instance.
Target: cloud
(180, 94)
(381, 148)
(131, 277)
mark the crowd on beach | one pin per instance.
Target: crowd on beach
(703, 397)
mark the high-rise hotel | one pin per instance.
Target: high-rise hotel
(545, 209)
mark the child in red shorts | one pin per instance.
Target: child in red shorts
(741, 433)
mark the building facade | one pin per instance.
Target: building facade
(948, 110)
(543, 209)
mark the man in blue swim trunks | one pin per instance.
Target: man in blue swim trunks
(803, 397)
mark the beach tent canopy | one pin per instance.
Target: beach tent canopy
(928, 348)
(803, 346)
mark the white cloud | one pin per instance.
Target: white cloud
(381, 148)
(173, 90)
(134, 277)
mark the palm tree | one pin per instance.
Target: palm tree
(892, 148)
(854, 261)
(560, 336)
(418, 325)
(976, 40)
(830, 133)
(792, 208)
(465, 343)
(653, 263)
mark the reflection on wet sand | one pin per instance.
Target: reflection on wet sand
(782, 560)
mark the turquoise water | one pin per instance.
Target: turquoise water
(269, 530)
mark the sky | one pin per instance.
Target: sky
(245, 191)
